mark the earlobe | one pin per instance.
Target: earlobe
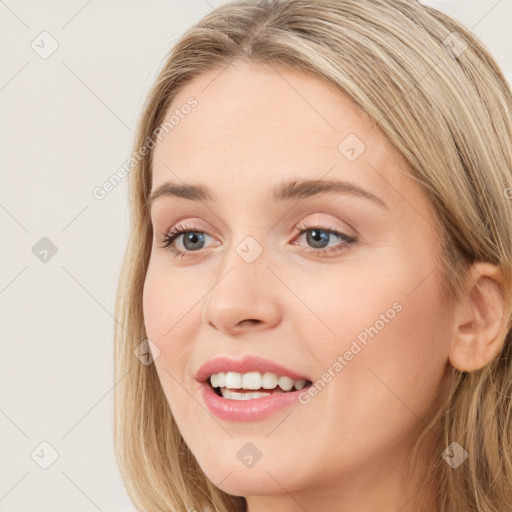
(480, 320)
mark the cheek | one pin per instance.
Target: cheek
(171, 308)
(391, 330)
(171, 318)
(168, 297)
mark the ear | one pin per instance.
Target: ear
(480, 319)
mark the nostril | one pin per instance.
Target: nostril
(249, 320)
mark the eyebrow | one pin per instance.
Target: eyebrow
(283, 191)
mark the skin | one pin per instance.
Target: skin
(345, 450)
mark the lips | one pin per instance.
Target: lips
(246, 405)
(245, 365)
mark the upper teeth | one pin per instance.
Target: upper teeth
(254, 380)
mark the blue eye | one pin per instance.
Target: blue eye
(191, 240)
(318, 236)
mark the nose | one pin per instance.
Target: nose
(244, 297)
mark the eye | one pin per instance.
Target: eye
(193, 240)
(320, 236)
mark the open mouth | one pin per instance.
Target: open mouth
(252, 385)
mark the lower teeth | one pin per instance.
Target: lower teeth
(246, 395)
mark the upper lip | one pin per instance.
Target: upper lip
(245, 365)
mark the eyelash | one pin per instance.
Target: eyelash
(178, 230)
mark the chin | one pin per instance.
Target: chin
(247, 483)
(231, 476)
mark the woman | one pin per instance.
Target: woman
(316, 295)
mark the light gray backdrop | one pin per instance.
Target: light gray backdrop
(68, 114)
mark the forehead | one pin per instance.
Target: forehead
(256, 125)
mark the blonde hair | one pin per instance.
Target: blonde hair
(446, 108)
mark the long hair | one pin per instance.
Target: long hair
(439, 97)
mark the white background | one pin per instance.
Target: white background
(67, 125)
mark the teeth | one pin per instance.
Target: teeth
(299, 384)
(217, 378)
(233, 380)
(285, 383)
(238, 395)
(269, 380)
(253, 381)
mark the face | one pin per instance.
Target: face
(339, 286)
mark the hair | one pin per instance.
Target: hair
(446, 108)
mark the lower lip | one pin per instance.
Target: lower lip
(246, 410)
